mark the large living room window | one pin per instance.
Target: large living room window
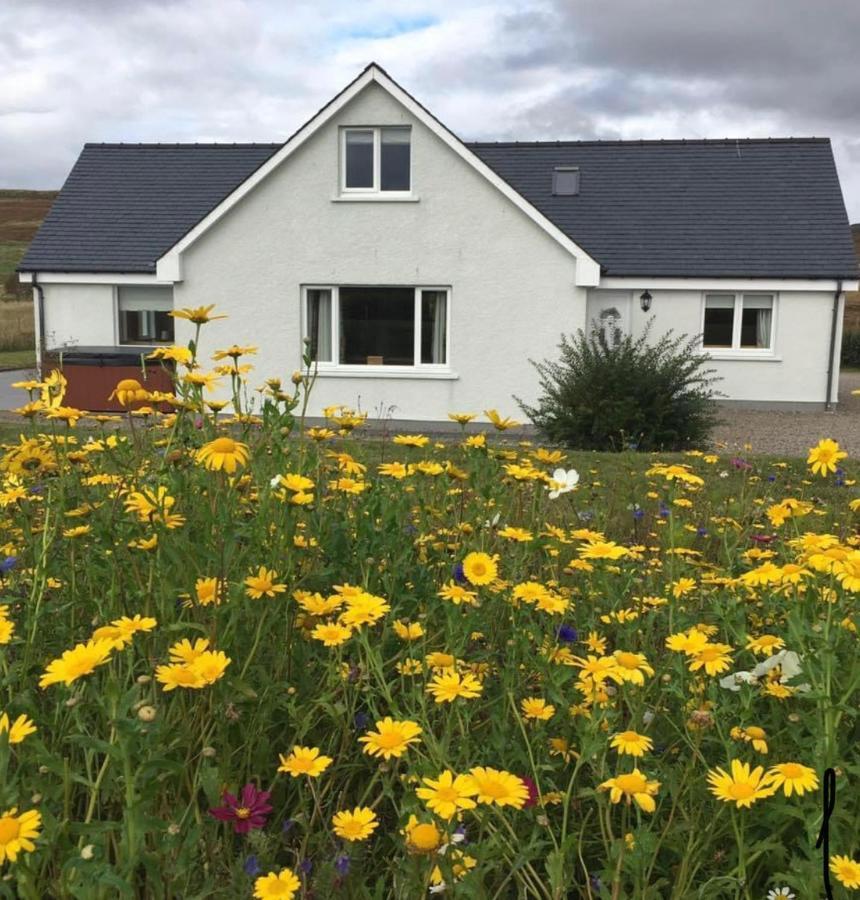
(143, 314)
(376, 160)
(740, 323)
(377, 326)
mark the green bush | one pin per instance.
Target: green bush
(625, 393)
(851, 349)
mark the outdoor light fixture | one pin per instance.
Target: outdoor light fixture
(645, 301)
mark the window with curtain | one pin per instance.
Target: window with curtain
(143, 314)
(354, 325)
(738, 322)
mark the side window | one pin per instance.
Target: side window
(143, 313)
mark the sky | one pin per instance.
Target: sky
(73, 71)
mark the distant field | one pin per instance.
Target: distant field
(21, 213)
(17, 327)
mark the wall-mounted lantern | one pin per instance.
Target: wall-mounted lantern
(645, 301)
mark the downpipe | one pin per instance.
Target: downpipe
(40, 308)
(831, 362)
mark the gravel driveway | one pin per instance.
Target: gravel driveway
(783, 433)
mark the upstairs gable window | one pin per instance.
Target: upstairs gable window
(377, 160)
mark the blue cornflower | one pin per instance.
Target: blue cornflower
(458, 573)
(341, 863)
(306, 866)
(251, 867)
(567, 633)
(8, 563)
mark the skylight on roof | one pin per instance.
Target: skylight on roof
(565, 181)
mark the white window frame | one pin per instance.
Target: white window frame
(417, 370)
(376, 189)
(736, 351)
(117, 328)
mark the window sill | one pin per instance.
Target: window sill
(375, 198)
(743, 356)
(407, 373)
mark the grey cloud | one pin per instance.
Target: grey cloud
(77, 70)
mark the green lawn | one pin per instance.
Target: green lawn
(17, 359)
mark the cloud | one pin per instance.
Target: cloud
(145, 70)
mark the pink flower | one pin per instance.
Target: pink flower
(531, 787)
(249, 811)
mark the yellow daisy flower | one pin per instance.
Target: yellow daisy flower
(304, 761)
(633, 786)
(632, 743)
(391, 738)
(357, 825)
(793, 776)
(743, 787)
(17, 833)
(448, 794)
(281, 885)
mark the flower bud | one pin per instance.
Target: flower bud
(147, 714)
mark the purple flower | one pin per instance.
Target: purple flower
(701, 531)
(341, 863)
(361, 720)
(8, 563)
(567, 633)
(249, 811)
(251, 867)
(458, 574)
(638, 513)
(306, 866)
(739, 463)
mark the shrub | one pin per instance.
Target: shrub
(627, 393)
(851, 349)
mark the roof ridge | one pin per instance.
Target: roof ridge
(180, 145)
(652, 141)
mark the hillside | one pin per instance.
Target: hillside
(21, 213)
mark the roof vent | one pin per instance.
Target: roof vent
(565, 181)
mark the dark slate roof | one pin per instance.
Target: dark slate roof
(124, 205)
(755, 208)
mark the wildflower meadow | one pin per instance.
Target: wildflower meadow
(246, 655)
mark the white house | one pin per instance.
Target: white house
(427, 271)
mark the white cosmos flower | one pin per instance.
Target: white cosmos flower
(562, 482)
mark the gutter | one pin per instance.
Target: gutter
(831, 361)
(40, 308)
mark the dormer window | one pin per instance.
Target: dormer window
(376, 160)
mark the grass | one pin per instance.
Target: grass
(17, 326)
(17, 359)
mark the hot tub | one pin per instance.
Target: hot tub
(92, 373)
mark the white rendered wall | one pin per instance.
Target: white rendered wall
(79, 315)
(797, 372)
(512, 286)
